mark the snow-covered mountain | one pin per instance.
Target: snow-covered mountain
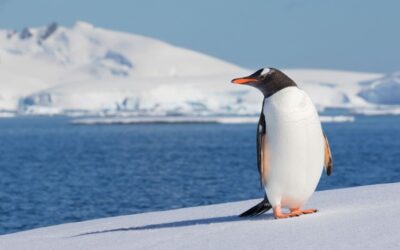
(90, 70)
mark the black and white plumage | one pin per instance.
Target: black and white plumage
(291, 147)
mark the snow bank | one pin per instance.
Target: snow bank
(354, 218)
(378, 110)
(339, 118)
(189, 119)
(163, 119)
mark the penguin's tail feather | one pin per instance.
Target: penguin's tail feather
(258, 209)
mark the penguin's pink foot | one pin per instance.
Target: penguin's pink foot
(296, 211)
(305, 211)
(309, 211)
(279, 215)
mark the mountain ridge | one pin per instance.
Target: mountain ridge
(89, 70)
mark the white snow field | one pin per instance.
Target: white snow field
(86, 70)
(364, 217)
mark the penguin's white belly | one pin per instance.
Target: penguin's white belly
(295, 147)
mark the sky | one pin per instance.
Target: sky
(343, 34)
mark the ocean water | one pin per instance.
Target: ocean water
(52, 172)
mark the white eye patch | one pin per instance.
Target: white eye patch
(265, 71)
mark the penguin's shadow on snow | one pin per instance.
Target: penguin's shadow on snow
(183, 223)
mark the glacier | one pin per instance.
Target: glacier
(86, 70)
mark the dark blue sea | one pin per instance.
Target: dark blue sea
(53, 172)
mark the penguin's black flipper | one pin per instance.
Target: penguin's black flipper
(258, 209)
(328, 162)
(261, 137)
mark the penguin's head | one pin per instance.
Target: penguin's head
(267, 80)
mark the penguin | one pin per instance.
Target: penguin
(292, 149)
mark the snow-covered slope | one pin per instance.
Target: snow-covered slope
(86, 69)
(385, 90)
(354, 218)
(333, 88)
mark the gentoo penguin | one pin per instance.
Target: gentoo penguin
(291, 147)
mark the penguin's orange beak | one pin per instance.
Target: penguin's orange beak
(243, 80)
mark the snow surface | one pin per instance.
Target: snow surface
(87, 70)
(189, 119)
(379, 110)
(354, 218)
(385, 90)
